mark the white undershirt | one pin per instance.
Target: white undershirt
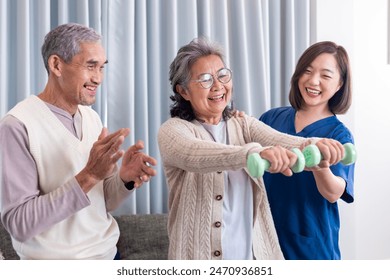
(237, 219)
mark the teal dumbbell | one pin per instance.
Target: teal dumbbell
(257, 165)
(313, 155)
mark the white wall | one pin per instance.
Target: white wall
(361, 27)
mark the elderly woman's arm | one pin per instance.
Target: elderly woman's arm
(268, 136)
(181, 146)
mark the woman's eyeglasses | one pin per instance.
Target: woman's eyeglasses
(206, 80)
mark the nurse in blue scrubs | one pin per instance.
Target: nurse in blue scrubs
(305, 206)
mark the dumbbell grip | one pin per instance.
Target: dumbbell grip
(257, 165)
(313, 155)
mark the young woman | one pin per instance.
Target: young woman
(304, 206)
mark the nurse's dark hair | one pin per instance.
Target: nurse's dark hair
(342, 99)
(180, 74)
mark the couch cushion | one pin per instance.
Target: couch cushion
(6, 245)
(143, 237)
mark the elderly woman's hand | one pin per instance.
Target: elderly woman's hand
(281, 159)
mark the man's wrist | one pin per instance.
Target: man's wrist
(86, 181)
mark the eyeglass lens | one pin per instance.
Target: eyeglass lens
(223, 75)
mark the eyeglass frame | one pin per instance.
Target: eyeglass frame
(213, 79)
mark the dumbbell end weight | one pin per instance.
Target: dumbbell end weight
(299, 165)
(350, 154)
(256, 165)
(312, 155)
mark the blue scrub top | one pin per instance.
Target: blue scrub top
(307, 224)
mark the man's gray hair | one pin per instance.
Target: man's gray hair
(65, 41)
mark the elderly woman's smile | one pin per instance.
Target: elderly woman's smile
(217, 97)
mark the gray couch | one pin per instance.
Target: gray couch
(143, 237)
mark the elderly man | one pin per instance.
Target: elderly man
(59, 172)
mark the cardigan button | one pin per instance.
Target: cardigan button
(218, 197)
(219, 172)
(217, 224)
(217, 253)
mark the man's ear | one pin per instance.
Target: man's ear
(55, 65)
(182, 91)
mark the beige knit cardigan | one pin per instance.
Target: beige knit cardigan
(193, 163)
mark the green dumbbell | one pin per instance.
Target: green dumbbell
(257, 165)
(313, 155)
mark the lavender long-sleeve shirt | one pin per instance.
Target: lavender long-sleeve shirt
(24, 211)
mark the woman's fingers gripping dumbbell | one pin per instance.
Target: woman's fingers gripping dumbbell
(258, 165)
(332, 152)
(324, 155)
(281, 159)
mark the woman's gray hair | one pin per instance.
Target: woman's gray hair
(180, 74)
(65, 41)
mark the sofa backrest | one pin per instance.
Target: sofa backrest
(6, 245)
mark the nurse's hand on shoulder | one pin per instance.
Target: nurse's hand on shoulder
(239, 114)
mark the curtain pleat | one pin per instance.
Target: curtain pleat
(4, 59)
(262, 40)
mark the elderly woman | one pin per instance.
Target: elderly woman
(216, 210)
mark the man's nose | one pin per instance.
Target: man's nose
(97, 76)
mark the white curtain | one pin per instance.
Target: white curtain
(262, 41)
